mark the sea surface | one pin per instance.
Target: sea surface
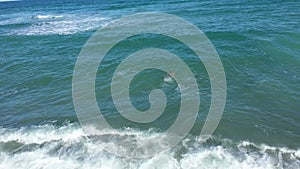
(258, 43)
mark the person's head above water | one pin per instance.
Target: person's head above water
(171, 74)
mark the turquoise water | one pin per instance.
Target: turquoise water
(258, 43)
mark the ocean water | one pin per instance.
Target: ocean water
(258, 43)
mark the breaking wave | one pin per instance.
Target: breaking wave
(48, 146)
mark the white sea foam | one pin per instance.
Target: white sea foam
(219, 158)
(51, 24)
(66, 147)
(9, 0)
(63, 27)
(48, 16)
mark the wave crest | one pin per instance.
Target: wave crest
(48, 146)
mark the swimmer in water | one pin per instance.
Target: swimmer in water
(170, 77)
(171, 74)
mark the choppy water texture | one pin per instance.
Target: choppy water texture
(258, 43)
